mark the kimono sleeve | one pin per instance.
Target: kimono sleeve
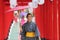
(37, 31)
(23, 32)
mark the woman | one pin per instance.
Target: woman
(14, 30)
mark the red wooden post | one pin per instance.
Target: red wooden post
(48, 20)
(8, 18)
(1, 20)
(55, 20)
(39, 19)
(59, 19)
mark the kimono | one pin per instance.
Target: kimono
(30, 27)
(22, 22)
(14, 31)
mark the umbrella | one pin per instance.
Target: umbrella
(17, 8)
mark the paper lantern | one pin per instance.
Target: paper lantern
(30, 4)
(13, 3)
(40, 2)
(35, 3)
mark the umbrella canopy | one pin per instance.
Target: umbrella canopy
(17, 8)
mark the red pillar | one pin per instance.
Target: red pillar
(8, 18)
(48, 28)
(46, 18)
(55, 20)
(59, 18)
(39, 19)
(1, 20)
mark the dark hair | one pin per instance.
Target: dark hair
(28, 14)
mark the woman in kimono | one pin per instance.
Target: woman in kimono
(29, 29)
(15, 27)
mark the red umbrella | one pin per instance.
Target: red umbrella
(17, 8)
